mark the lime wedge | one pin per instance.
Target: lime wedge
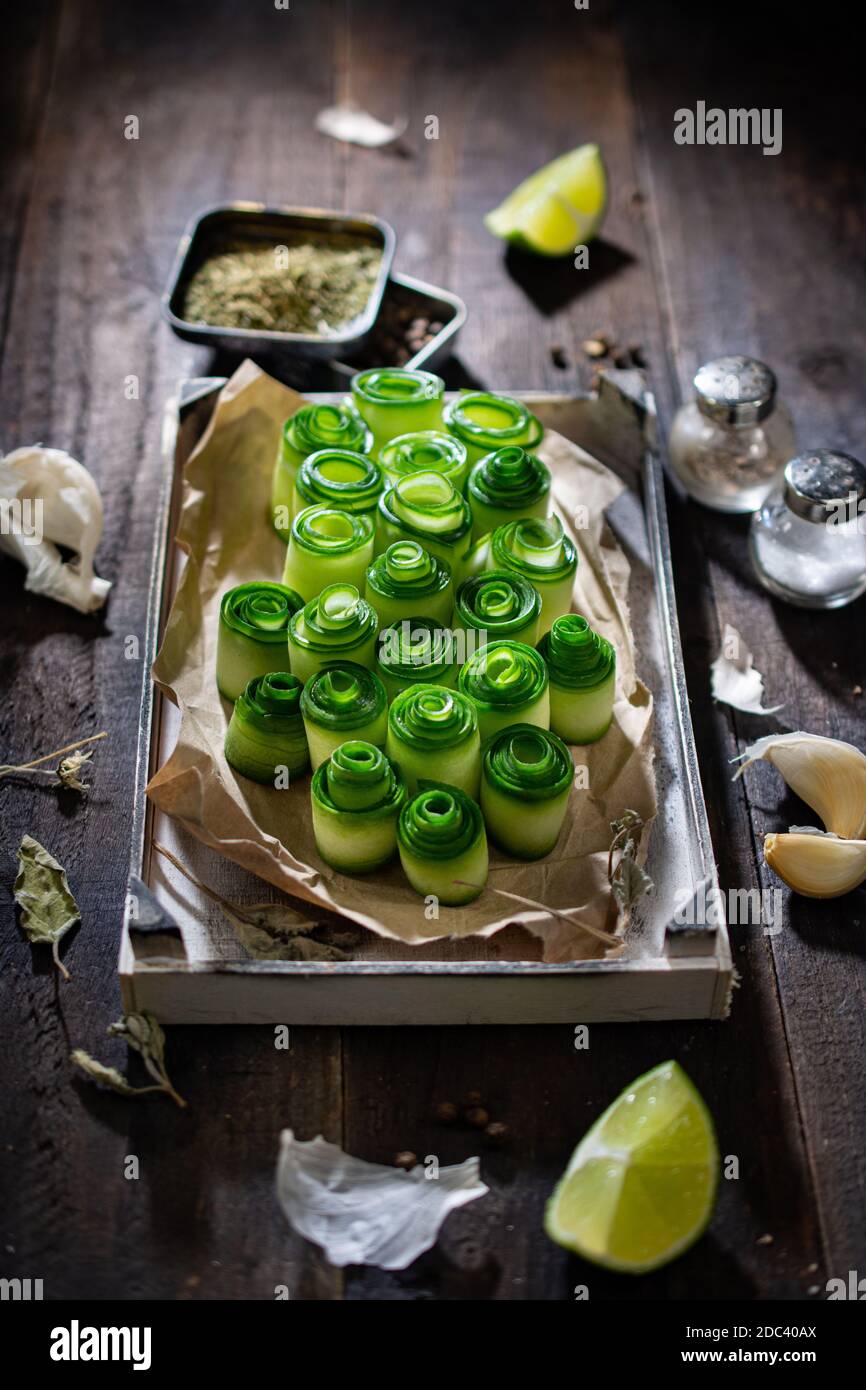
(641, 1185)
(558, 207)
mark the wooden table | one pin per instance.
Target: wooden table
(705, 250)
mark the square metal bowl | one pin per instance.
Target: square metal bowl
(216, 226)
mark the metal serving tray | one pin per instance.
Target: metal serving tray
(180, 959)
(215, 226)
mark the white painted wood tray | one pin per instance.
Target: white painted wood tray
(180, 959)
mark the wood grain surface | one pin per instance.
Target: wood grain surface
(703, 250)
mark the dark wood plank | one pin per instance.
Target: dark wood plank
(762, 255)
(101, 226)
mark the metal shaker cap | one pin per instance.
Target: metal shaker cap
(735, 390)
(822, 485)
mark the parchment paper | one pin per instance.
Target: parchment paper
(223, 530)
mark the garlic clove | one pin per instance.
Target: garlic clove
(829, 775)
(816, 865)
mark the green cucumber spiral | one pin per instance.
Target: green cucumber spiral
(484, 422)
(337, 625)
(253, 623)
(506, 484)
(415, 651)
(406, 580)
(443, 845)
(540, 551)
(343, 700)
(327, 546)
(426, 507)
(311, 428)
(507, 683)
(433, 734)
(425, 451)
(357, 796)
(500, 604)
(338, 478)
(526, 778)
(582, 666)
(266, 731)
(397, 400)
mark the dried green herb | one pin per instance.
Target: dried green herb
(142, 1033)
(108, 1076)
(42, 892)
(298, 286)
(628, 881)
(272, 931)
(67, 770)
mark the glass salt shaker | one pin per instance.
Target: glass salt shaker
(729, 445)
(808, 541)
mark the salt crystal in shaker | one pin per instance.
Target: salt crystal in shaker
(729, 445)
(808, 541)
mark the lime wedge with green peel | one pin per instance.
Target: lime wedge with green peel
(641, 1185)
(557, 208)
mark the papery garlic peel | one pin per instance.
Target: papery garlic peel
(830, 776)
(818, 866)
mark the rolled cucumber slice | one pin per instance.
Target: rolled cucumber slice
(251, 638)
(541, 552)
(527, 775)
(344, 701)
(582, 667)
(265, 736)
(506, 484)
(328, 546)
(507, 683)
(407, 581)
(339, 625)
(356, 798)
(433, 735)
(443, 845)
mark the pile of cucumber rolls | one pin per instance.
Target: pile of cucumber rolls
(420, 662)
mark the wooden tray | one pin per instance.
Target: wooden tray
(180, 959)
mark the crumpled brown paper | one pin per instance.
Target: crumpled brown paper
(224, 532)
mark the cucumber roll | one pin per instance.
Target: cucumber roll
(266, 731)
(507, 683)
(426, 507)
(443, 845)
(339, 625)
(498, 604)
(484, 422)
(415, 651)
(582, 666)
(357, 796)
(343, 701)
(433, 735)
(541, 552)
(338, 478)
(507, 484)
(406, 581)
(327, 546)
(526, 778)
(397, 400)
(251, 640)
(311, 428)
(426, 451)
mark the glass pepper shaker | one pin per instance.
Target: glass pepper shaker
(808, 540)
(729, 445)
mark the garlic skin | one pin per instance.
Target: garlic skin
(815, 864)
(71, 512)
(830, 776)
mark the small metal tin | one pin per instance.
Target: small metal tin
(735, 390)
(824, 482)
(420, 297)
(215, 226)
